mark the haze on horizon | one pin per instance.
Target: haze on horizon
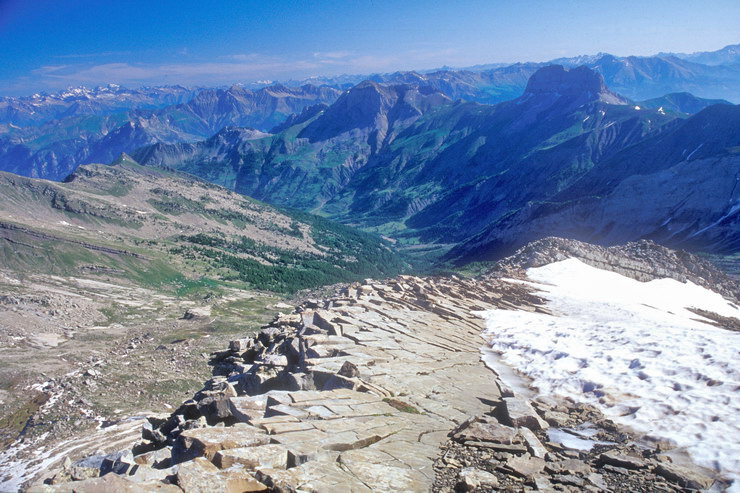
(48, 45)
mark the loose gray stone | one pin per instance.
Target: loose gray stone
(485, 431)
(620, 460)
(520, 413)
(525, 465)
(470, 479)
(349, 370)
(683, 476)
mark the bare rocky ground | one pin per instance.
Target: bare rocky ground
(379, 388)
(89, 357)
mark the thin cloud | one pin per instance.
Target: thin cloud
(236, 68)
(246, 57)
(93, 55)
(332, 55)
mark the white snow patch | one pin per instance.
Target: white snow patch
(735, 208)
(632, 349)
(694, 151)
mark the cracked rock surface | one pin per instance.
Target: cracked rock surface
(381, 388)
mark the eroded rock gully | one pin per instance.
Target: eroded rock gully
(378, 388)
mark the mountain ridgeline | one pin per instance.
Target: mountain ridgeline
(82, 126)
(569, 157)
(49, 135)
(424, 160)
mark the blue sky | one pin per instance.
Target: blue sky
(52, 44)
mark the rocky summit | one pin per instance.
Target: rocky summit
(381, 387)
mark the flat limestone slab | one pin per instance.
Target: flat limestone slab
(414, 346)
(273, 456)
(109, 482)
(206, 442)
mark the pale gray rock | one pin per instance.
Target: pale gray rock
(534, 446)
(525, 465)
(569, 466)
(683, 476)
(488, 430)
(520, 413)
(470, 479)
(620, 460)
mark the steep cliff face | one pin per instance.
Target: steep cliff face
(381, 109)
(681, 188)
(307, 164)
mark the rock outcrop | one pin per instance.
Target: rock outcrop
(641, 260)
(381, 388)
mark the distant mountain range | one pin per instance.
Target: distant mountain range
(729, 55)
(409, 163)
(568, 150)
(81, 126)
(713, 75)
(49, 135)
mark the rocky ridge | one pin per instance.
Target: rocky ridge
(642, 260)
(379, 388)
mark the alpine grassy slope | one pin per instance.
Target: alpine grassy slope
(155, 226)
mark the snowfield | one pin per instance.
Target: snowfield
(632, 349)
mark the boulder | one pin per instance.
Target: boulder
(485, 429)
(199, 313)
(349, 370)
(273, 456)
(119, 463)
(205, 442)
(240, 345)
(525, 466)
(215, 408)
(472, 479)
(154, 458)
(520, 413)
(247, 408)
(620, 460)
(534, 446)
(201, 476)
(683, 476)
(569, 466)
